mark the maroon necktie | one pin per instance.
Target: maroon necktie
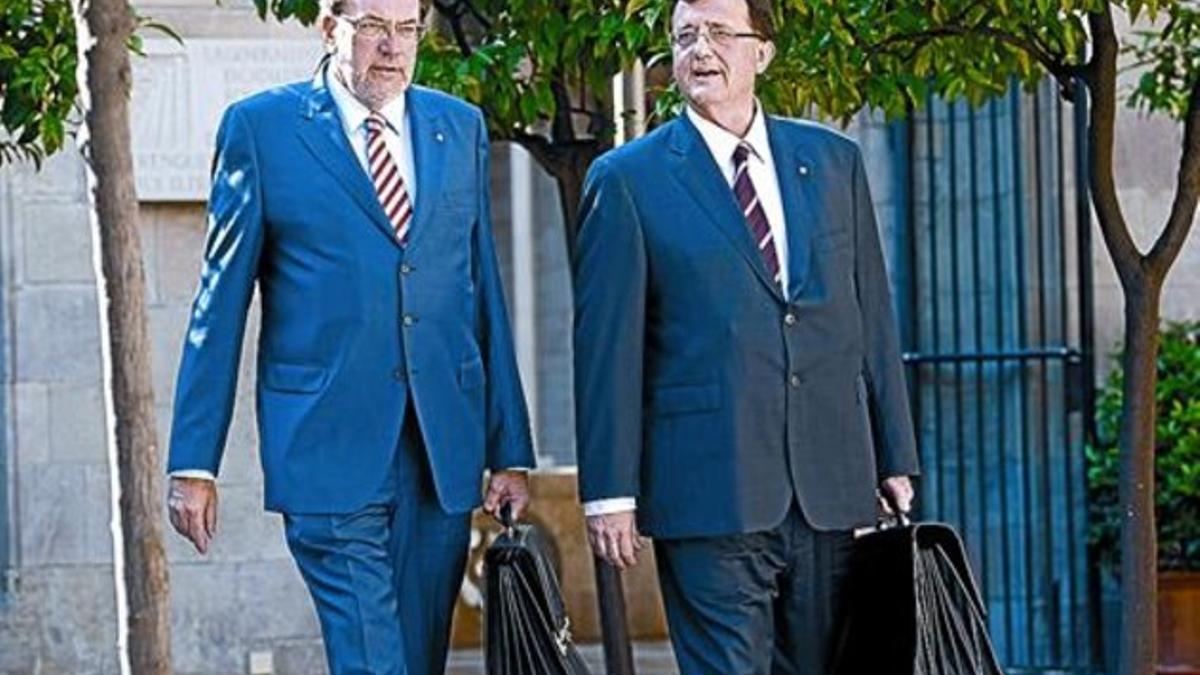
(752, 209)
(389, 185)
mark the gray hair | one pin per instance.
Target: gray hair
(338, 7)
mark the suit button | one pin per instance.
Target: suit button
(405, 268)
(398, 374)
(409, 319)
(795, 380)
(789, 319)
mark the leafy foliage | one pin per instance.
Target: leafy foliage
(37, 77)
(1177, 456)
(544, 66)
(1171, 56)
(533, 61)
(530, 62)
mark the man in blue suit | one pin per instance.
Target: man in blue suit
(387, 382)
(739, 390)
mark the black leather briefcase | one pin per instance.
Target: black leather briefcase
(526, 629)
(912, 607)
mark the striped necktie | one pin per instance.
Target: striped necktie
(389, 184)
(752, 209)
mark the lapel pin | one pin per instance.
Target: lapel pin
(803, 169)
(438, 136)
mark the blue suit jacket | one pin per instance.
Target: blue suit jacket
(353, 325)
(702, 388)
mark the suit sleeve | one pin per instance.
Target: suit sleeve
(610, 281)
(887, 392)
(508, 437)
(207, 383)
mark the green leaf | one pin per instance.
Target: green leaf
(135, 44)
(163, 28)
(632, 7)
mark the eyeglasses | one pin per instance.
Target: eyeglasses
(721, 36)
(374, 28)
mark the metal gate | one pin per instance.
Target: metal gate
(994, 287)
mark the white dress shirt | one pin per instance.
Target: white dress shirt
(761, 165)
(396, 137)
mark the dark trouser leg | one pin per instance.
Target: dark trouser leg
(718, 593)
(808, 607)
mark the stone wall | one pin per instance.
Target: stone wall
(57, 612)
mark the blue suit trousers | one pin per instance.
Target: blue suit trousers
(384, 578)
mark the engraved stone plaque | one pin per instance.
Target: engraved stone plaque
(179, 93)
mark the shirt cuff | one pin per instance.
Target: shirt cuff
(601, 507)
(193, 473)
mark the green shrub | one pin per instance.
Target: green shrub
(1177, 457)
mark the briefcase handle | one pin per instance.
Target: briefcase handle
(898, 517)
(506, 518)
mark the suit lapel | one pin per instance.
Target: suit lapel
(693, 165)
(322, 133)
(429, 156)
(796, 174)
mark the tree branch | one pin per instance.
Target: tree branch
(1100, 74)
(1187, 193)
(541, 148)
(1064, 73)
(453, 11)
(561, 128)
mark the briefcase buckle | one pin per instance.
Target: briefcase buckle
(563, 637)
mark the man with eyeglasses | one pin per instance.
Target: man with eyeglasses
(387, 382)
(739, 391)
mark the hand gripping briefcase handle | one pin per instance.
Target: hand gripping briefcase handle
(526, 629)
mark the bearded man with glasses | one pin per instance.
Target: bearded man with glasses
(358, 205)
(739, 391)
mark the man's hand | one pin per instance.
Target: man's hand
(901, 491)
(192, 505)
(614, 538)
(507, 487)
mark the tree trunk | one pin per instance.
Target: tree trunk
(568, 163)
(1141, 286)
(570, 193)
(1139, 543)
(141, 504)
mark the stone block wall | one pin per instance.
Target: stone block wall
(57, 607)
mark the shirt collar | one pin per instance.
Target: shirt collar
(352, 110)
(721, 142)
